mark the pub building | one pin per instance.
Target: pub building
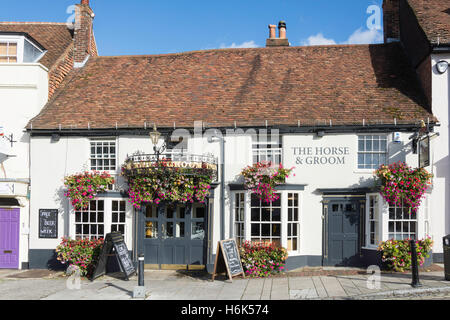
(332, 113)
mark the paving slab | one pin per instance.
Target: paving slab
(254, 289)
(267, 289)
(280, 289)
(333, 287)
(320, 289)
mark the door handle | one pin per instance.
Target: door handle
(8, 251)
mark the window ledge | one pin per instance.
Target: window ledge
(370, 248)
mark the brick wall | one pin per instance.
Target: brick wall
(391, 19)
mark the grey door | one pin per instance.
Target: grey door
(174, 234)
(343, 233)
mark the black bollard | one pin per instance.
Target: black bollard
(415, 269)
(139, 291)
(141, 270)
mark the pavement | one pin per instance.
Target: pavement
(323, 284)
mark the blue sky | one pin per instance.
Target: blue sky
(128, 27)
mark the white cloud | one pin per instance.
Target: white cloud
(246, 44)
(360, 36)
(318, 40)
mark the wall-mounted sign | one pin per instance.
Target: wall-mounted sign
(6, 189)
(424, 152)
(321, 155)
(48, 223)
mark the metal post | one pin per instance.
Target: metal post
(139, 291)
(415, 270)
(141, 270)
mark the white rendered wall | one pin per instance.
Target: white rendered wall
(440, 199)
(54, 160)
(23, 93)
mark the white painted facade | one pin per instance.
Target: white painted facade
(23, 93)
(52, 161)
(440, 203)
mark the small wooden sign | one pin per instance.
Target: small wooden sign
(228, 260)
(114, 245)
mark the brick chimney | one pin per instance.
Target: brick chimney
(84, 42)
(281, 41)
(391, 20)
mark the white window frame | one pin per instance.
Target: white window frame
(20, 40)
(266, 151)
(379, 220)
(119, 211)
(104, 140)
(284, 218)
(358, 169)
(395, 220)
(107, 219)
(81, 213)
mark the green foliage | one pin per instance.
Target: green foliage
(81, 253)
(162, 181)
(83, 187)
(263, 177)
(403, 185)
(397, 253)
(261, 260)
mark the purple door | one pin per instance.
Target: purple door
(9, 238)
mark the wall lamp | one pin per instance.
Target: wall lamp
(442, 66)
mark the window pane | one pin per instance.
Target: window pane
(255, 230)
(255, 214)
(276, 214)
(12, 49)
(3, 47)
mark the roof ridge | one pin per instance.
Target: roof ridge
(31, 22)
(244, 49)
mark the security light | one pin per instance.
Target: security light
(442, 66)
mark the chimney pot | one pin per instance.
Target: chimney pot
(272, 32)
(282, 29)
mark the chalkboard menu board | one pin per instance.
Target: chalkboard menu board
(48, 223)
(228, 260)
(114, 245)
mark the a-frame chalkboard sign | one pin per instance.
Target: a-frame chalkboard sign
(114, 245)
(228, 260)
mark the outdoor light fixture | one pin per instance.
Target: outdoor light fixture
(320, 134)
(442, 66)
(154, 137)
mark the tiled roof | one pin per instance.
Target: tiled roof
(434, 18)
(55, 37)
(346, 84)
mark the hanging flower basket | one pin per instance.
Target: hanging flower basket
(263, 177)
(163, 182)
(402, 185)
(83, 187)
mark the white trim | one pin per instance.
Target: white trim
(283, 221)
(357, 170)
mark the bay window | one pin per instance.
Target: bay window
(373, 220)
(402, 223)
(276, 223)
(265, 221)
